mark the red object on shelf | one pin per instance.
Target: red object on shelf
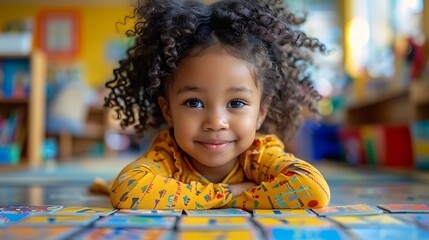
(383, 145)
(417, 54)
(398, 146)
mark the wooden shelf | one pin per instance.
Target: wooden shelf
(34, 108)
(399, 106)
(11, 168)
(381, 98)
(419, 98)
(15, 56)
(4, 101)
(419, 92)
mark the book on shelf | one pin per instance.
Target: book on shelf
(12, 136)
(11, 127)
(14, 78)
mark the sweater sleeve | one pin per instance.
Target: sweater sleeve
(284, 181)
(146, 185)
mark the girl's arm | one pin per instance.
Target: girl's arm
(238, 188)
(283, 182)
(139, 187)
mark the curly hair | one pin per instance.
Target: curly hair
(263, 33)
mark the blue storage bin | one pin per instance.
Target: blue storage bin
(9, 154)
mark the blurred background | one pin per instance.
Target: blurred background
(55, 57)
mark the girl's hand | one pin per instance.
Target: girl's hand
(238, 188)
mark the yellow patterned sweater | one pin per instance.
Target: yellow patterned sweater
(163, 178)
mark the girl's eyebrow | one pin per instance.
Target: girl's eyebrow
(241, 90)
(197, 89)
(189, 89)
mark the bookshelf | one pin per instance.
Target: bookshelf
(391, 129)
(396, 106)
(31, 106)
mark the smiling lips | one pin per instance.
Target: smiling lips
(216, 146)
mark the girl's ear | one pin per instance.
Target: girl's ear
(165, 108)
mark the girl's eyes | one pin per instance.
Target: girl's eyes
(193, 103)
(236, 104)
(196, 103)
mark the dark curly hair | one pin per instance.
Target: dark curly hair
(262, 32)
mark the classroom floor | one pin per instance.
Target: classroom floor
(67, 184)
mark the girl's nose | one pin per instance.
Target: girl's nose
(215, 121)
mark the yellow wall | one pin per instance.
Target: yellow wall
(98, 24)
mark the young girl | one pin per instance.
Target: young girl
(220, 76)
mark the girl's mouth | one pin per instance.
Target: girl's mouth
(215, 146)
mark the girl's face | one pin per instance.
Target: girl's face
(214, 105)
